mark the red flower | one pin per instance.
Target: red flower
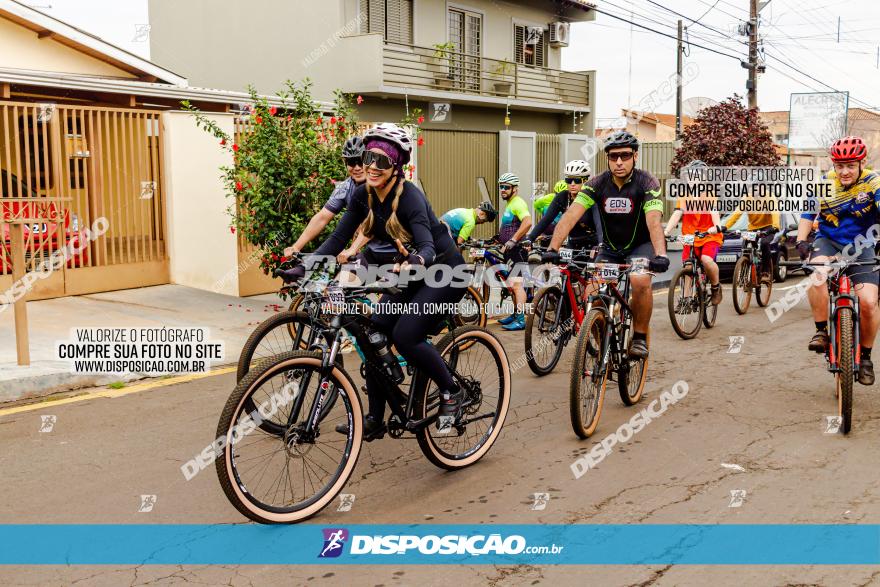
(321, 138)
(341, 119)
(235, 148)
(332, 120)
(222, 141)
(320, 121)
(421, 119)
(274, 257)
(421, 141)
(232, 229)
(259, 120)
(273, 110)
(360, 99)
(238, 186)
(333, 181)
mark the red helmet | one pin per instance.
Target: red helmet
(848, 149)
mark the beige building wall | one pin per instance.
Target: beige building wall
(21, 48)
(202, 250)
(227, 44)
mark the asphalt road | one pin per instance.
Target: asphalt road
(761, 410)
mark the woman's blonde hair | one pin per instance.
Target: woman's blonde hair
(394, 228)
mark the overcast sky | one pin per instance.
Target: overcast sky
(631, 62)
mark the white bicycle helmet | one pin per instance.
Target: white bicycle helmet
(508, 178)
(578, 168)
(393, 134)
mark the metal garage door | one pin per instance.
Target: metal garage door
(451, 166)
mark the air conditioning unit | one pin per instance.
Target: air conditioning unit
(559, 32)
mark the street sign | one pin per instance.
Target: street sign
(441, 112)
(816, 120)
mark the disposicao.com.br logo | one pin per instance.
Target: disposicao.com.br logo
(450, 544)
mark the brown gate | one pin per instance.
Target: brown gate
(107, 163)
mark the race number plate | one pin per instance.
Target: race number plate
(478, 253)
(565, 254)
(334, 300)
(686, 239)
(749, 235)
(726, 259)
(607, 273)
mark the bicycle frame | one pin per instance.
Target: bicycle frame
(841, 296)
(615, 331)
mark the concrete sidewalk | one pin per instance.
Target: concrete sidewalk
(230, 320)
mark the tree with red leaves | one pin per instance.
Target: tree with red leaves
(726, 134)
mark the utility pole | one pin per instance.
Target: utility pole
(678, 68)
(752, 84)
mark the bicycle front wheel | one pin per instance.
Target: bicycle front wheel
(282, 332)
(589, 375)
(478, 360)
(272, 469)
(685, 307)
(742, 285)
(846, 362)
(547, 330)
(764, 289)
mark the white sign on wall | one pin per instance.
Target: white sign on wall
(816, 120)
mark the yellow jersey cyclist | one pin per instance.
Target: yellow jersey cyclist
(462, 221)
(515, 224)
(629, 210)
(542, 203)
(849, 213)
(584, 233)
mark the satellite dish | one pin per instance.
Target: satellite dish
(692, 106)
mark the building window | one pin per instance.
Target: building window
(465, 34)
(392, 18)
(529, 45)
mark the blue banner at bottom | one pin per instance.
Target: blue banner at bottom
(426, 544)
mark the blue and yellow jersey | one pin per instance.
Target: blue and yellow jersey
(461, 222)
(849, 212)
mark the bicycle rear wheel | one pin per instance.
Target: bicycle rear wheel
(710, 312)
(764, 289)
(279, 473)
(846, 362)
(742, 285)
(686, 310)
(631, 377)
(589, 375)
(547, 330)
(478, 359)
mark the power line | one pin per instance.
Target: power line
(707, 12)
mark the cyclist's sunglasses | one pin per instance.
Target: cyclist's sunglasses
(623, 156)
(354, 161)
(505, 187)
(575, 180)
(380, 160)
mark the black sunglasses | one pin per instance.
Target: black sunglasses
(505, 187)
(624, 156)
(571, 180)
(354, 161)
(380, 160)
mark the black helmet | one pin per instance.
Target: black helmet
(353, 147)
(619, 139)
(489, 209)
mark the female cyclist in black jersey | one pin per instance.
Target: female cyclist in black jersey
(393, 210)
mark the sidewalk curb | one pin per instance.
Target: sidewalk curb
(41, 385)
